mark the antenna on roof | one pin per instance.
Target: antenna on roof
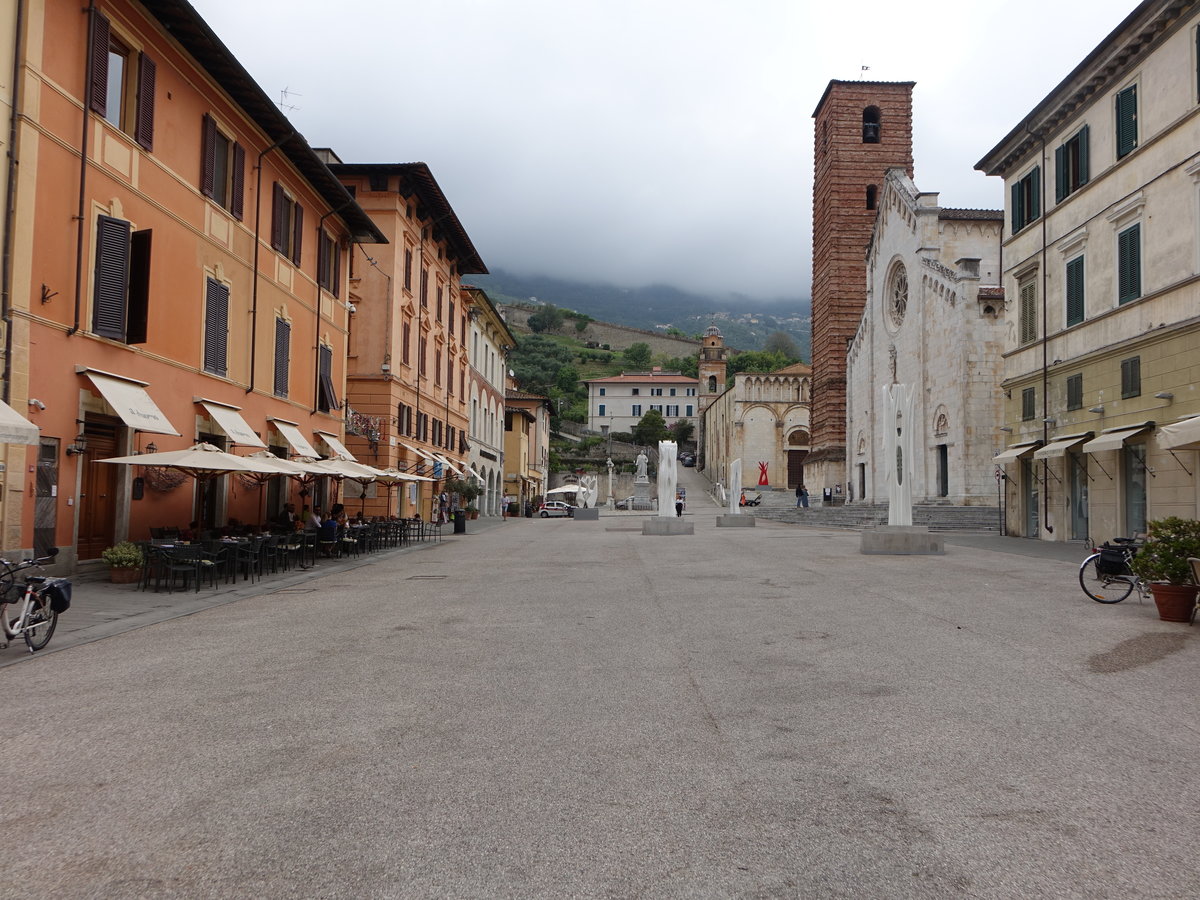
(284, 96)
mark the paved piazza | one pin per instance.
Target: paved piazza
(555, 708)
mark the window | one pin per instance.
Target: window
(329, 264)
(691, 392)
(870, 125)
(1071, 165)
(406, 344)
(121, 296)
(1027, 312)
(287, 224)
(424, 287)
(283, 347)
(656, 392)
(636, 409)
(634, 392)
(1028, 404)
(601, 412)
(450, 376)
(1127, 130)
(672, 410)
(1026, 199)
(871, 196)
(672, 392)
(656, 407)
(1129, 264)
(222, 168)
(121, 84)
(326, 396)
(408, 269)
(601, 392)
(1075, 309)
(689, 412)
(437, 366)
(216, 327)
(450, 319)
(1075, 391)
(712, 384)
(421, 355)
(1131, 377)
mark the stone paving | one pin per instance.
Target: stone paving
(550, 708)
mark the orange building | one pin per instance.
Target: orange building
(179, 273)
(408, 382)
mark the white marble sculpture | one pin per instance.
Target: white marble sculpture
(735, 487)
(668, 476)
(898, 432)
(589, 490)
(642, 461)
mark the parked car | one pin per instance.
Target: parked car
(687, 459)
(556, 508)
(627, 503)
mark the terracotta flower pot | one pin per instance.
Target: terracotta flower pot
(124, 575)
(1175, 602)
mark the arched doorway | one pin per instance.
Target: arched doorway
(798, 444)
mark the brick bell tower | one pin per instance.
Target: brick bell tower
(862, 129)
(710, 370)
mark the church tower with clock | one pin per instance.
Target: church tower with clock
(862, 129)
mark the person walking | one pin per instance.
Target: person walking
(799, 491)
(802, 493)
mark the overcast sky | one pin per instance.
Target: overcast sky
(650, 141)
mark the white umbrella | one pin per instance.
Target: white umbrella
(566, 489)
(201, 461)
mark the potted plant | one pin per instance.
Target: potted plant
(472, 511)
(125, 562)
(1163, 561)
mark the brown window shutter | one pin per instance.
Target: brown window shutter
(323, 261)
(277, 201)
(336, 250)
(216, 327)
(144, 127)
(283, 343)
(297, 232)
(208, 156)
(98, 64)
(112, 277)
(237, 193)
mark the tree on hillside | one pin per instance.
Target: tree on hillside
(651, 429)
(684, 365)
(637, 356)
(781, 342)
(757, 361)
(548, 318)
(537, 361)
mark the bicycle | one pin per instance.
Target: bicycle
(1106, 575)
(34, 615)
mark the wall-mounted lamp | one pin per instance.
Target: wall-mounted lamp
(36, 404)
(151, 447)
(1050, 420)
(1006, 428)
(79, 446)
(1161, 395)
(1099, 410)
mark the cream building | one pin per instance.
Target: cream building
(489, 341)
(764, 421)
(617, 403)
(1102, 262)
(934, 318)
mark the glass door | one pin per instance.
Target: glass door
(1078, 498)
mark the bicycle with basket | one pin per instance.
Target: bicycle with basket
(1106, 575)
(31, 613)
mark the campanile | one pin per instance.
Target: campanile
(862, 129)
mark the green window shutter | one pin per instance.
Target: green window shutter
(1035, 193)
(1017, 217)
(1061, 188)
(1075, 309)
(1028, 312)
(1084, 172)
(1127, 135)
(1129, 264)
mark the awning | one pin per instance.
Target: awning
(1115, 438)
(338, 448)
(130, 401)
(1058, 448)
(1181, 435)
(230, 421)
(1016, 451)
(15, 428)
(453, 468)
(473, 473)
(421, 453)
(291, 433)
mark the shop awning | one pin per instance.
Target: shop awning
(1016, 451)
(230, 421)
(1058, 447)
(15, 428)
(1115, 438)
(453, 468)
(129, 400)
(291, 433)
(421, 453)
(335, 445)
(1181, 435)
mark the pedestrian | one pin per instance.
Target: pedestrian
(799, 491)
(678, 505)
(803, 494)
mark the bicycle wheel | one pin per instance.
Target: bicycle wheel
(1103, 588)
(40, 623)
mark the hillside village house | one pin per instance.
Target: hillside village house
(526, 445)
(763, 420)
(177, 273)
(1102, 262)
(617, 403)
(934, 318)
(408, 368)
(489, 342)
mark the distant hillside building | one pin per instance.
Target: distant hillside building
(617, 403)
(863, 129)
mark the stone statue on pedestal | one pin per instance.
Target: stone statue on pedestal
(642, 461)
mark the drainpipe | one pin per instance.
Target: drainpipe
(10, 209)
(1045, 492)
(254, 287)
(83, 151)
(317, 332)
